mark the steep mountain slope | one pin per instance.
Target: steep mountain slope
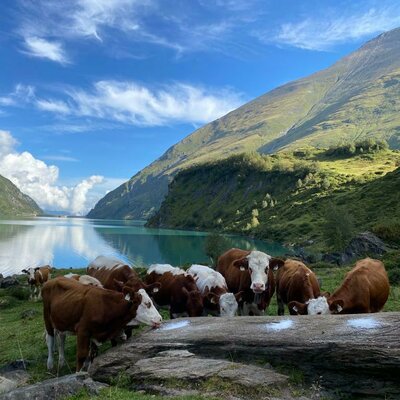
(357, 97)
(13, 202)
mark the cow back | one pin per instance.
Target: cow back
(364, 289)
(296, 282)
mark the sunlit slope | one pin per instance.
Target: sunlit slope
(355, 98)
(13, 202)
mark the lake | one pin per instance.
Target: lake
(74, 242)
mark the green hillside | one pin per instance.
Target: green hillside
(13, 202)
(356, 98)
(288, 197)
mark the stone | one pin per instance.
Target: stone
(9, 281)
(353, 353)
(29, 314)
(7, 384)
(55, 388)
(365, 244)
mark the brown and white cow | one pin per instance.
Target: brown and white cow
(298, 287)
(178, 290)
(84, 279)
(113, 274)
(212, 285)
(250, 272)
(92, 314)
(36, 278)
(365, 289)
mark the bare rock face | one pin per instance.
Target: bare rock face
(355, 354)
(56, 388)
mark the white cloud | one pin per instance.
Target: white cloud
(40, 181)
(21, 94)
(42, 48)
(322, 33)
(60, 158)
(132, 103)
(58, 107)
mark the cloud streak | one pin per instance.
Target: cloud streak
(325, 32)
(42, 48)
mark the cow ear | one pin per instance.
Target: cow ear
(242, 264)
(239, 296)
(297, 308)
(276, 263)
(337, 306)
(185, 291)
(37, 268)
(119, 284)
(326, 294)
(25, 271)
(153, 288)
(213, 298)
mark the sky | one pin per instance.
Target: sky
(92, 91)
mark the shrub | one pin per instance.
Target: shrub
(18, 292)
(215, 245)
(394, 276)
(338, 228)
(389, 231)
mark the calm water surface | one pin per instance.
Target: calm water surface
(74, 242)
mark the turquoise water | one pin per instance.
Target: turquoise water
(74, 242)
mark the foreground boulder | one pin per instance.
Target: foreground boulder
(354, 354)
(56, 388)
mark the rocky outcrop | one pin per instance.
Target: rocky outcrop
(8, 281)
(363, 245)
(56, 388)
(343, 352)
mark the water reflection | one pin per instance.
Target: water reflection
(64, 242)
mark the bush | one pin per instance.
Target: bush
(18, 292)
(215, 245)
(394, 276)
(389, 231)
(338, 228)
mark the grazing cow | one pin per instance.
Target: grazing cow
(298, 287)
(178, 290)
(249, 272)
(212, 285)
(365, 289)
(92, 314)
(84, 279)
(114, 274)
(36, 278)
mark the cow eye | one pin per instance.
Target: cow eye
(148, 304)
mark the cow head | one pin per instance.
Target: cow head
(146, 313)
(258, 264)
(336, 306)
(31, 274)
(152, 288)
(316, 306)
(194, 302)
(228, 305)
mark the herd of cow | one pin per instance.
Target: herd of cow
(111, 298)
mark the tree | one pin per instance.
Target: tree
(338, 228)
(215, 245)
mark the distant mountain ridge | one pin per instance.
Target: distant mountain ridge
(15, 203)
(356, 98)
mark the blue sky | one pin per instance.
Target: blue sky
(92, 91)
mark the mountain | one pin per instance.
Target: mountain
(356, 98)
(14, 203)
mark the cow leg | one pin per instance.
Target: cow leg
(61, 347)
(39, 291)
(50, 349)
(281, 306)
(32, 294)
(82, 351)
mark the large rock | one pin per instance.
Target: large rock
(363, 245)
(357, 354)
(8, 281)
(56, 388)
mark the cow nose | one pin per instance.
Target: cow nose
(259, 287)
(319, 313)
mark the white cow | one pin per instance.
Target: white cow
(212, 285)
